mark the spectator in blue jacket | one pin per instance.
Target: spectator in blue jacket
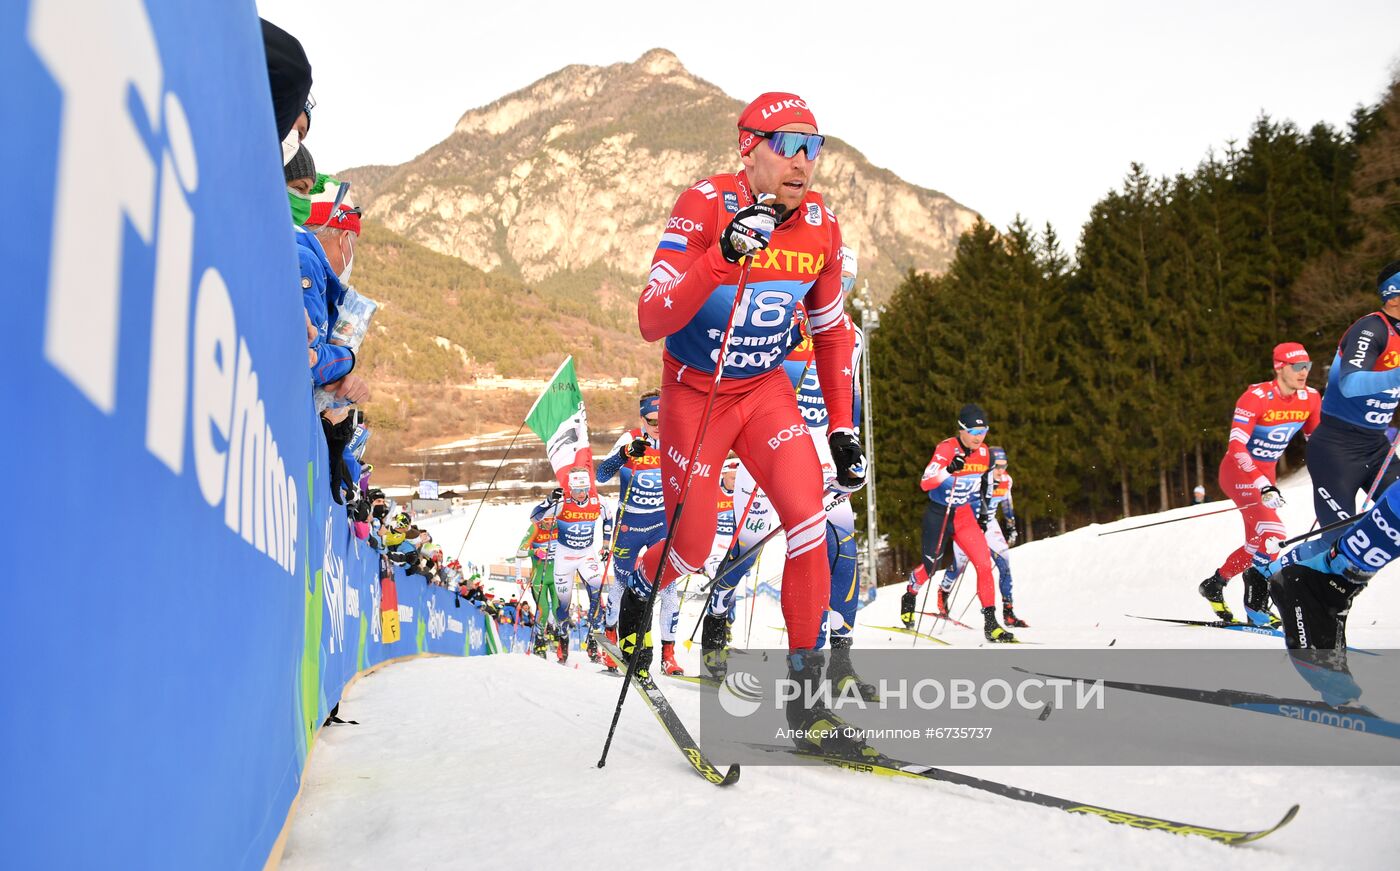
(325, 257)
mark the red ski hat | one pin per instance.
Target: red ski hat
(345, 216)
(769, 112)
(1289, 352)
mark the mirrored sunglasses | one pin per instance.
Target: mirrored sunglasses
(788, 142)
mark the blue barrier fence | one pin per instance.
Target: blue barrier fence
(185, 601)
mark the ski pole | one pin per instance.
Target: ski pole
(732, 560)
(1336, 524)
(1390, 455)
(492, 483)
(938, 558)
(754, 581)
(1178, 519)
(1366, 504)
(617, 529)
(675, 519)
(738, 530)
(1341, 521)
(727, 563)
(952, 593)
(959, 574)
(733, 545)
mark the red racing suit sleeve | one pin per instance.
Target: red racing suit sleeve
(833, 338)
(936, 472)
(1314, 413)
(1241, 429)
(686, 268)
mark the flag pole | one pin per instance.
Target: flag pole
(506, 455)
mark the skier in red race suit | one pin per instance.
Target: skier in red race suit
(769, 213)
(1267, 417)
(960, 468)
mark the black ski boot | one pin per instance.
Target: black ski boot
(561, 642)
(907, 603)
(633, 623)
(842, 674)
(592, 649)
(992, 630)
(816, 728)
(714, 646)
(1315, 604)
(1213, 588)
(1256, 599)
(541, 644)
(1008, 616)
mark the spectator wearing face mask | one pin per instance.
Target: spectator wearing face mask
(302, 178)
(336, 223)
(300, 174)
(289, 83)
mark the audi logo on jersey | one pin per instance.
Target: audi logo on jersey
(1363, 344)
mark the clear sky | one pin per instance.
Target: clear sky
(1035, 108)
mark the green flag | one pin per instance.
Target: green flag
(558, 418)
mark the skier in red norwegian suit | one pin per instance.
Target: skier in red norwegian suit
(767, 212)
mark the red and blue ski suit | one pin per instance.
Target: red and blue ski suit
(687, 302)
(949, 514)
(1265, 422)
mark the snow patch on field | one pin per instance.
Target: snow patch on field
(491, 760)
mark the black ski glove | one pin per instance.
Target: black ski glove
(749, 231)
(956, 464)
(337, 437)
(849, 460)
(556, 496)
(638, 447)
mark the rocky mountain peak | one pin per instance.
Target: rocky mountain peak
(580, 169)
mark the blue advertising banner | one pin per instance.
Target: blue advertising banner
(193, 602)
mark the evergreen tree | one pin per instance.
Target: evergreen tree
(1105, 378)
(1339, 286)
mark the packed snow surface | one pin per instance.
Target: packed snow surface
(492, 760)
